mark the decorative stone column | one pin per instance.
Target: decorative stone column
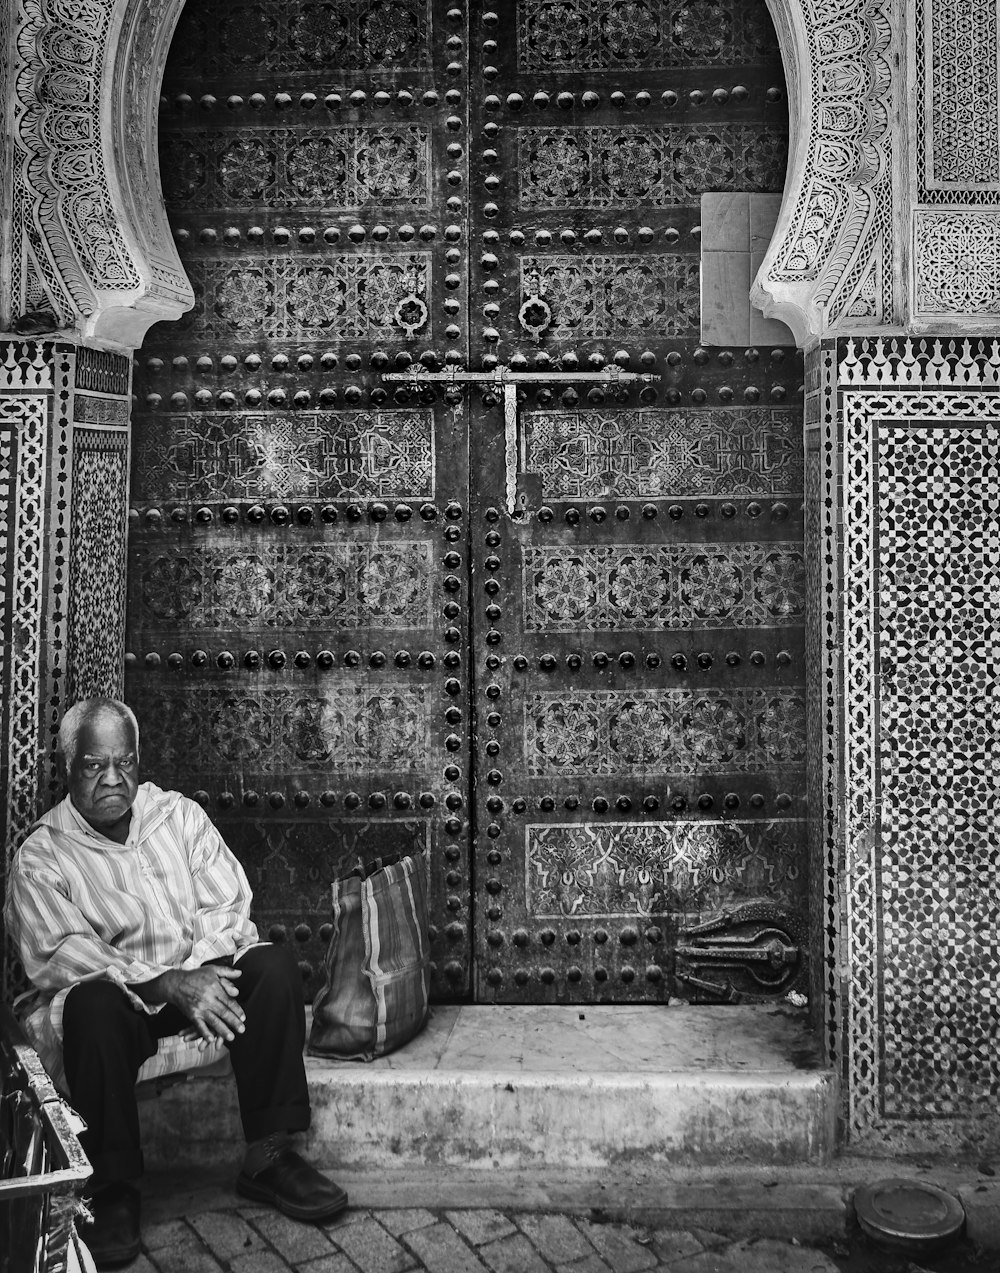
(905, 470)
(885, 264)
(86, 259)
(64, 456)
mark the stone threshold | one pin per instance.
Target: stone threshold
(806, 1202)
(555, 1086)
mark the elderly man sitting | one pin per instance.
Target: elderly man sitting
(132, 918)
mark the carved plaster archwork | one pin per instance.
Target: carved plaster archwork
(90, 238)
(91, 234)
(834, 261)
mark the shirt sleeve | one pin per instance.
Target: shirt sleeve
(57, 943)
(222, 924)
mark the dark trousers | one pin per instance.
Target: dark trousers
(106, 1040)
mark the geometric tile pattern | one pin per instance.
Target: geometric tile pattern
(631, 587)
(921, 589)
(576, 35)
(939, 619)
(316, 455)
(351, 35)
(375, 297)
(8, 461)
(107, 373)
(659, 732)
(591, 296)
(956, 259)
(24, 423)
(824, 695)
(655, 454)
(96, 624)
(286, 168)
(309, 587)
(657, 167)
(247, 731)
(611, 869)
(36, 386)
(958, 146)
(104, 372)
(9, 428)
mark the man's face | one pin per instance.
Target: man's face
(104, 776)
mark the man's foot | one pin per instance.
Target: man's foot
(289, 1183)
(115, 1237)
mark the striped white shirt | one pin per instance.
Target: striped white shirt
(81, 907)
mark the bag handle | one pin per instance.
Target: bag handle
(364, 870)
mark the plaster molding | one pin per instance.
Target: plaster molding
(956, 262)
(955, 229)
(833, 262)
(89, 229)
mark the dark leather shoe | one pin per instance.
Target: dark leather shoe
(294, 1187)
(115, 1237)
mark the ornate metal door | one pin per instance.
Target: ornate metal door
(638, 619)
(298, 608)
(391, 213)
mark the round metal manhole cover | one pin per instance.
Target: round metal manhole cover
(908, 1213)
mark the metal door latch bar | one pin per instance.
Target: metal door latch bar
(507, 380)
(766, 946)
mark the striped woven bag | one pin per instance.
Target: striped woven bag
(377, 971)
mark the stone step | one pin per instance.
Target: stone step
(519, 1087)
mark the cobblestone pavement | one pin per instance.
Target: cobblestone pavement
(256, 1240)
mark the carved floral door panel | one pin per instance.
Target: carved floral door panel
(362, 190)
(297, 599)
